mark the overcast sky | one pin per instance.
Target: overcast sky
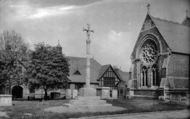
(116, 23)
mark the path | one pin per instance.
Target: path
(3, 114)
(179, 114)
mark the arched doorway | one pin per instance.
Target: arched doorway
(17, 92)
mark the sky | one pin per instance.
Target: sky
(116, 24)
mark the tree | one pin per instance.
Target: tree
(13, 55)
(49, 68)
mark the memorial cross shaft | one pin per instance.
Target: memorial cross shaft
(88, 55)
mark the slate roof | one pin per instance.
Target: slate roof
(103, 70)
(97, 70)
(124, 76)
(79, 63)
(176, 35)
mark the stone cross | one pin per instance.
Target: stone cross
(88, 55)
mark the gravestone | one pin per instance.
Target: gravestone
(74, 93)
(114, 94)
(71, 93)
(105, 94)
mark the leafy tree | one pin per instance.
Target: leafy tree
(13, 55)
(49, 68)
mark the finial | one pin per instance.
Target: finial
(148, 8)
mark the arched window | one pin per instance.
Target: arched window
(148, 53)
(144, 76)
(154, 76)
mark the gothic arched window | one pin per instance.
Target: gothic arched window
(154, 75)
(148, 55)
(144, 78)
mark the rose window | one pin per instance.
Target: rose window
(149, 52)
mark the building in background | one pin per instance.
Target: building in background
(104, 78)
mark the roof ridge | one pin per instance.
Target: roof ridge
(75, 57)
(170, 21)
(82, 58)
(106, 65)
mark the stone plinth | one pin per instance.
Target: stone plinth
(85, 104)
(87, 91)
(5, 100)
(90, 102)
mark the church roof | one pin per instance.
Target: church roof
(175, 34)
(78, 64)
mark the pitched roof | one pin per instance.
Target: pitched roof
(124, 76)
(97, 70)
(175, 34)
(103, 70)
(79, 63)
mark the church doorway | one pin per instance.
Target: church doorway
(17, 92)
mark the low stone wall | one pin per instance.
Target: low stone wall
(150, 93)
(5, 100)
(179, 96)
(145, 92)
(107, 93)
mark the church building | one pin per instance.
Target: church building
(160, 59)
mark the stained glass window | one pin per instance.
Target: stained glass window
(148, 52)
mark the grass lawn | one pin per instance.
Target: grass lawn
(146, 105)
(23, 109)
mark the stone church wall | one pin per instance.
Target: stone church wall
(178, 65)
